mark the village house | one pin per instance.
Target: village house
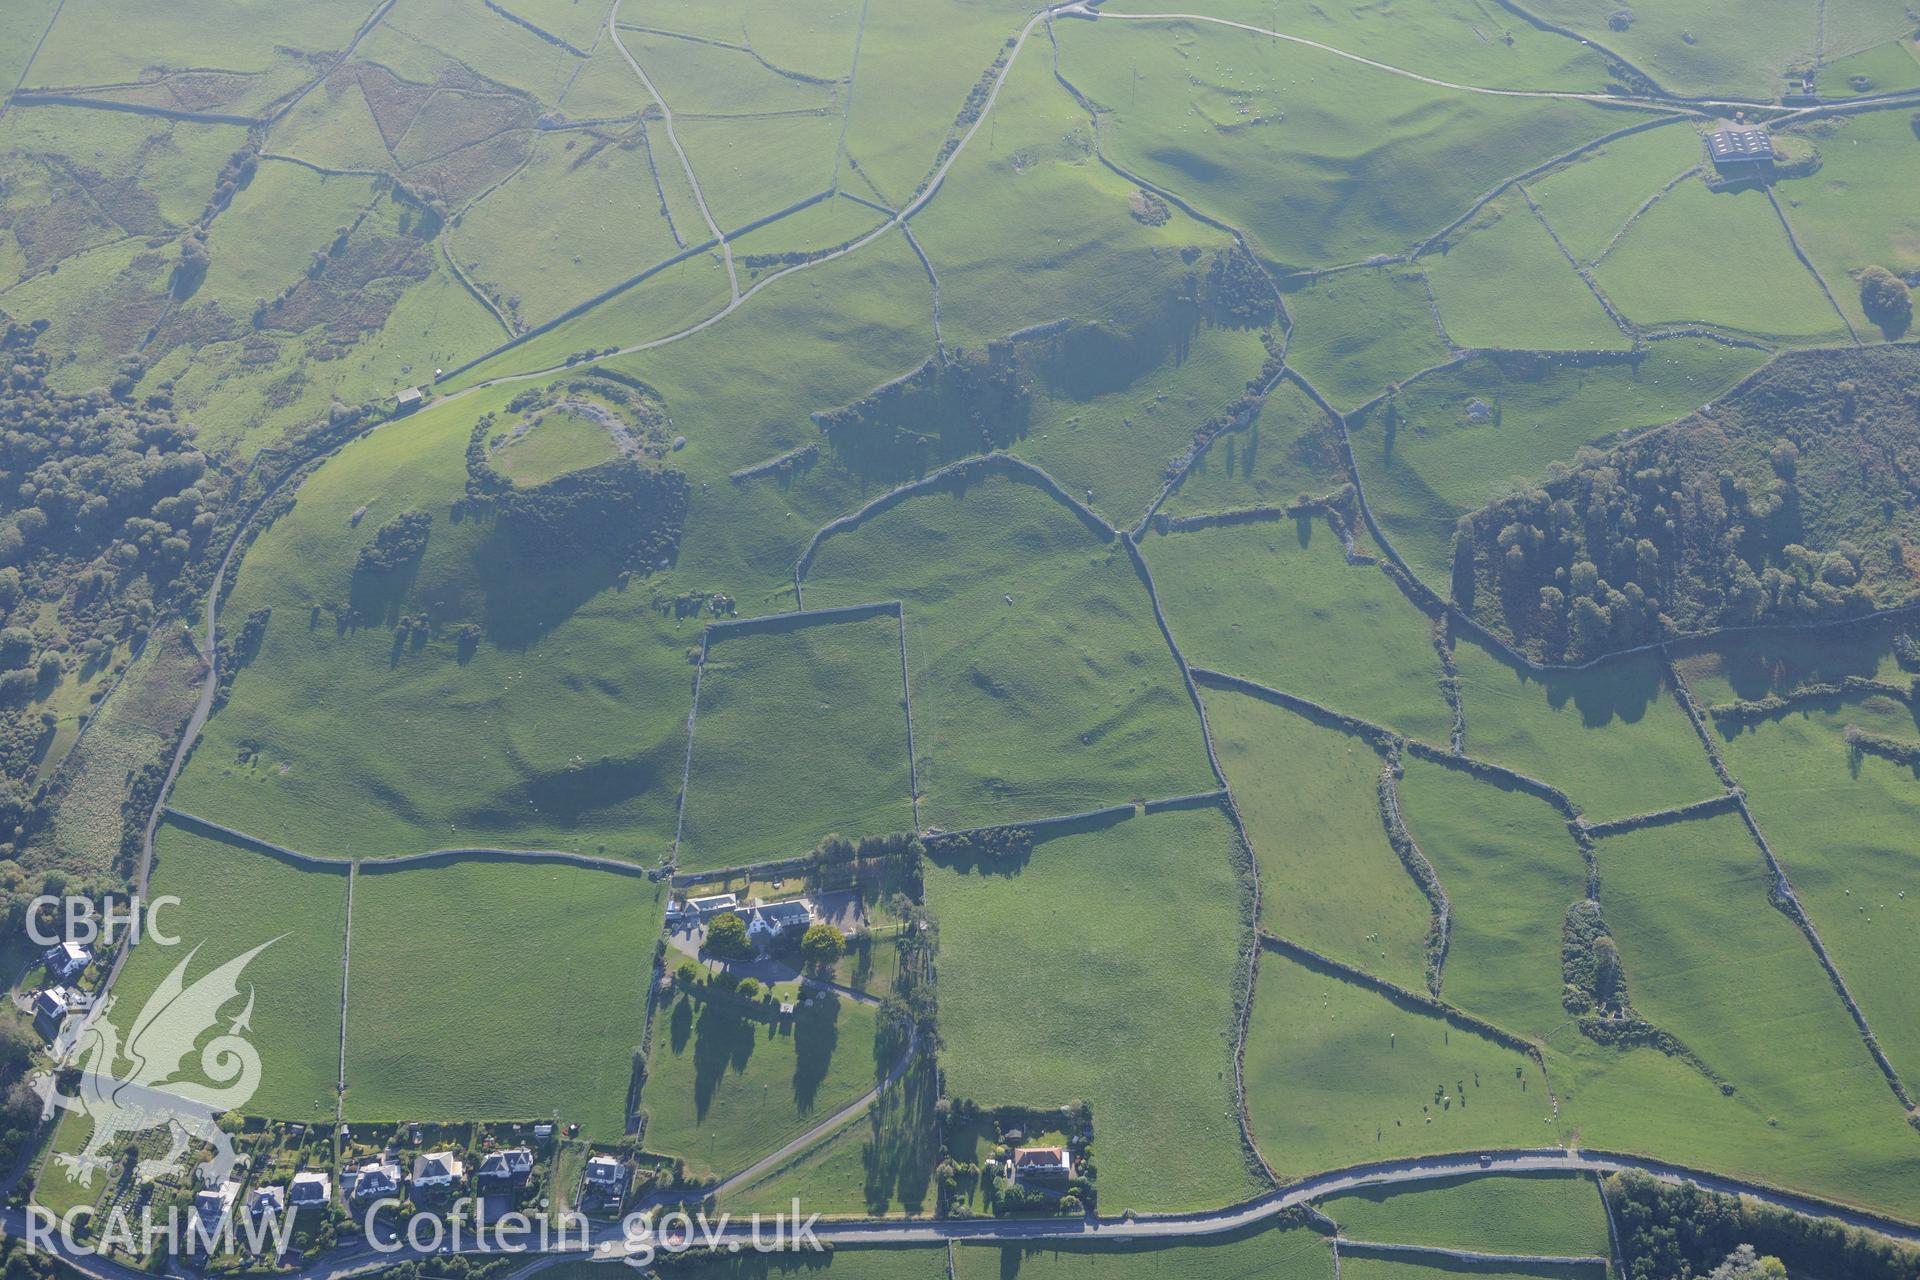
(50, 1007)
(267, 1201)
(437, 1170)
(376, 1178)
(1050, 1165)
(68, 960)
(510, 1165)
(765, 924)
(605, 1175)
(212, 1205)
(713, 904)
(309, 1189)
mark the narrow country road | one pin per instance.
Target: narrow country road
(607, 1242)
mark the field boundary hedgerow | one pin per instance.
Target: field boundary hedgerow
(1586, 277)
(1710, 807)
(542, 32)
(906, 704)
(1418, 867)
(1469, 1257)
(1016, 468)
(1645, 205)
(1793, 242)
(402, 861)
(1412, 1000)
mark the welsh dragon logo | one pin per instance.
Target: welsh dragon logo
(153, 1094)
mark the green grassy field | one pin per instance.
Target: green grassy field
(844, 1263)
(535, 265)
(1144, 367)
(561, 441)
(1708, 957)
(1339, 1074)
(1328, 878)
(697, 78)
(1277, 602)
(1556, 1214)
(880, 1165)
(553, 959)
(1614, 738)
(1299, 148)
(907, 91)
(1660, 273)
(1029, 196)
(233, 899)
(709, 1057)
(1838, 822)
(1759, 665)
(1289, 449)
(749, 168)
(1464, 40)
(1591, 200)
(832, 689)
(670, 301)
(1889, 67)
(1429, 456)
(1690, 47)
(340, 743)
(1358, 332)
(1293, 1253)
(818, 228)
(487, 43)
(1142, 920)
(305, 211)
(1065, 700)
(1853, 212)
(1511, 870)
(452, 179)
(578, 22)
(1478, 280)
(1374, 1268)
(95, 42)
(1108, 426)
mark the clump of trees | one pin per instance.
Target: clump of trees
(1590, 964)
(822, 944)
(727, 938)
(1679, 1231)
(1149, 208)
(1860, 742)
(1704, 525)
(1884, 297)
(105, 503)
(1238, 291)
(399, 541)
(1906, 652)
